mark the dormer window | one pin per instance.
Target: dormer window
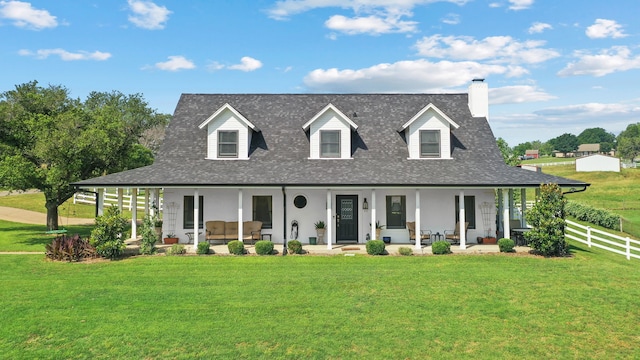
(430, 143)
(228, 144)
(329, 143)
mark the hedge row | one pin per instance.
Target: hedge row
(592, 215)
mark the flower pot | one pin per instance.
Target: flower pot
(320, 233)
(312, 240)
(378, 234)
(171, 240)
(489, 240)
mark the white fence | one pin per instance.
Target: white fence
(111, 199)
(603, 240)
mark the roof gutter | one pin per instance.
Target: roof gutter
(573, 190)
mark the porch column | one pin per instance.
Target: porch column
(120, 197)
(100, 201)
(373, 215)
(156, 196)
(463, 217)
(500, 212)
(240, 215)
(523, 201)
(329, 222)
(505, 214)
(418, 225)
(512, 206)
(196, 217)
(134, 213)
(146, 202)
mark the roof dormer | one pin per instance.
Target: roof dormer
(428, 134)
(228, 134)
(330, 134)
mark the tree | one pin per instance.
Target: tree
(49, 140)
(565, 143)
(629, 142)
(596, 136)
(547, 219)
(507, 154)
(520, 149)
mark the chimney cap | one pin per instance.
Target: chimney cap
(478, 79)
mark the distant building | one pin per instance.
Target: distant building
(531, 154)
(588, 149)
(598, 162)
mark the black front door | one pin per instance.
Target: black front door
(347, 218)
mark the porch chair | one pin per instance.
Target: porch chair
(453, 236)
(251, 231)
(425, 235)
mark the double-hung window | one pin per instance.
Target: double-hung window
(228, 143)
(430, 143)
(329, 143)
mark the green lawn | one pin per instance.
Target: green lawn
(36, 201)
(26, 237)
(298, 307)
(547, 160)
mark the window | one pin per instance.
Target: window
(262, 210)
(228, 144)
(187, 216)
(396, 212)
(330, 143)
(469, 210)
(300, 201)
(429, 143)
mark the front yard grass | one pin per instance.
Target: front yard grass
(451, 307)
(27, 237)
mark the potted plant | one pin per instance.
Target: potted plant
(157, 224)
(378, 230)
(320, 230)
(171, 239)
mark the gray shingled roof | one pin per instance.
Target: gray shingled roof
(379, 159)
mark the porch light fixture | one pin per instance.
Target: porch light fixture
(365, 205)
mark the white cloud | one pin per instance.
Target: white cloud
(247, 64)
(617, 58)
(495, 48)
(520, 4)
(370, 25)
(148, 15)
(24, 15)
(517, 94)
(451, 19)
(176, 63)
(604, 28)
(66, 55)
(403, 76)
(539, 27)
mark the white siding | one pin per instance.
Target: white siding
(430, 120)
(227, 121)
(598, 163)
(330, 121)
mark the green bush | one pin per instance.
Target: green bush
(69, 248)
(148, 237)
(441, 247)
(375, 247)
(107, 236)
(236, 247)
(547, 218)
(176, 249)
(264, 247)
(203, 248)
(506, 245)
(405, 251)
(592, 215)
(294, 247)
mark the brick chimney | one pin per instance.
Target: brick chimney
(479, 98)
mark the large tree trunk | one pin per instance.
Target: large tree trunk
(52, 216)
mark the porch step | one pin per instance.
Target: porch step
(348, 248)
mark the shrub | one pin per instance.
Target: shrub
(203, 248)
(148, 237)
(441, 247)
(107, 236)
(264, 247)
(176, 249)
(69, 248)
(506, 245)
(294, 247)
(236, 247)
(405, 251)
(592, 215)
(375, 247)
(547, 219)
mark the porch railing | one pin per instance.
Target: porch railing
(603, 240)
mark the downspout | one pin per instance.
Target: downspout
(284, 221)
(573, 190)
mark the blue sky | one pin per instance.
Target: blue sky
(552, 66)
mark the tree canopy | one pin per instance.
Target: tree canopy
(510, 158)
(629, 142)
(565, 143)
(49, 140)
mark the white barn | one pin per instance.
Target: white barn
(598, 162)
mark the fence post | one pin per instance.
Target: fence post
(589, 236)
(628, 248)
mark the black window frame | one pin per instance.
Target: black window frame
(339, 143)
(187, 213)
(469, 210)
(222, 143)
(423, 134)
(396, 219)
(258, 217)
